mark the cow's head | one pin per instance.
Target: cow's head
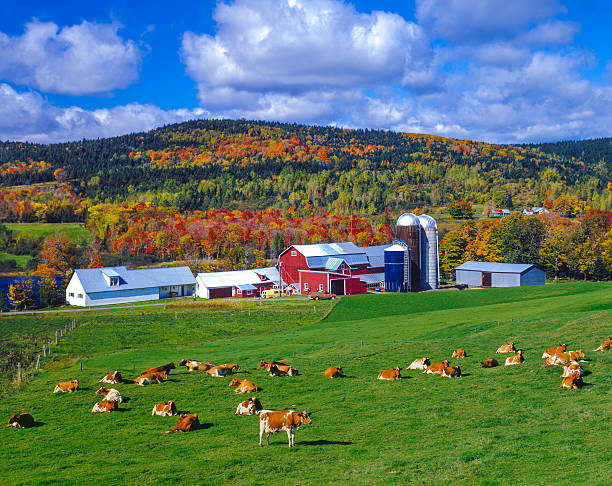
(234, 383)
(446, 363)
(171, 366)
(234, 366)
(305, 417)
(263, 363)
(256, 403)
(520, 352)
(183, 362)
(339, 369)
(102, 391)
(580, 353)
(563, 346)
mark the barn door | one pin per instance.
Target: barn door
(486, 279)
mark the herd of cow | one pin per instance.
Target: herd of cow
(289, 421)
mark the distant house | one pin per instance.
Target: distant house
(535, 210)
(118, 285)
(242, 283)
(499, 213)
(486, 274)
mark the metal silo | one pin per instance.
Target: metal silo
(397, 265)
(409, 231)
(429, 253)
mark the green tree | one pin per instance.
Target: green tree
(520, 238)
(453, 247)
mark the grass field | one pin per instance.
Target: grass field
(504, 425)
(20, 260)
(75, 232)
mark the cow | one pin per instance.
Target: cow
(576, 355)
(112, 378)
(564, 358)
(571, 367)
(110, 394)
(105, 406)
(165, 409)
(222, 370)
(506, 348)
(459, 353)
(516, 359)
(437, 367)
(249, 407)
(419, 364)
(572, 381)
(334, 372)
(607, 344)
(164, 368)
(186, 423)
(451, 372)
(192, 365)
(552, 351)
(244, 386)
(282, 370)
(151, 378)
(267, 364)
(289, 421)
(489, 363)
(67, 386)
(393, 374)
(21, 421)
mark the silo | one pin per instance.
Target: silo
(409, 231)
(429, 253)
(397, 264)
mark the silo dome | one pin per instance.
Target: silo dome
(408, 219)
(427, 221)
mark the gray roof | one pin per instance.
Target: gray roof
(246, 287)
(372, 278)
(376, 255)
(328, 249)
(495, 267)
(333, 263)
(92, 279)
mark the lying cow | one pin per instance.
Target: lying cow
(573, 381)
(572, 367)
(506, 348)
(223, 370)
(165, 409)
(186, 423)
(489, 363)
(552, 351)
(516, 359)
(158, 369)
(334, 372)
(251, 406)
(151, 378)
(451, 372)
(459, 353)
(419, 364)
(267, 364)
(289, 421)
(67, 386)
(564, 358)
(192, 365)
(110, 394)
(244, 386)
(393, 374)
(607, 344)
(105, 406)
(437, 367)
(282, 370)
(112, 378)
(21, 421)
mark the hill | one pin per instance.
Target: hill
(491, 426)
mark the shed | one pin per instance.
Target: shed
(487, 274)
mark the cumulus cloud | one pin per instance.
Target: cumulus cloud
(88, 58)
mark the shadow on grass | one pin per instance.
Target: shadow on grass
(324, 442)
(38, 424)
(205, 425)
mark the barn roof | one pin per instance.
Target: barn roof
(495, 267)
(328, 249)
(92, 279)
(376, 255)
(372, 278)
(238, 277)
(246, 287)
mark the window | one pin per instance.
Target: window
(238, 291)
(306, 286)
(114, 281)
(71, 294)
(293, 253)
(320, 287)
(79, 296)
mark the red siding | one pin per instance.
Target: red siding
(220, 293)
(314, 279)
(291, 265)
(355, 286)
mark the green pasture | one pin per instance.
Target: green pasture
(506, 425)
(20, 260)
(75, 232)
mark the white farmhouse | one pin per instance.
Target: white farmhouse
(118, 285)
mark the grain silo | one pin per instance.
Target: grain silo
(429, 253)
(409, 231)
(397, 265)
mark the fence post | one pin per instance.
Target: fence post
(38, 362)
(19, 371)
(56, 336)
(49, 347)
(61, 332)
(44, 351)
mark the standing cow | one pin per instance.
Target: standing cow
(289, 421)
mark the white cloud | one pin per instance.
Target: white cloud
(82, 59)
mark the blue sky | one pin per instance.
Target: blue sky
(491, 70)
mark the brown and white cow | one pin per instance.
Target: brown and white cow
(151, 378)
(267, 364)
(289, 421)
(244, 386)
(165, 409)
(489, 363)
(158, 369)
(67, 386)
(451, 372)
(222, 370)
(552, 351)
(251, 406)
(282, 370)
(437, 367)
(506, 348)
(393, 374)
(105, 406)
(112, 378)
(572, 367)
(564, 358)
(607, 344)
(335, 372)
(186, 423)
(516, 359)
(573, 381)
(459, 353)
(192, 365)
(110, 394)
(21, 421)
(419, 364)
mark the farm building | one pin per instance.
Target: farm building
(242, 283)
(485, 274)
(118, 285)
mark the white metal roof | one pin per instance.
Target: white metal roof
(328, 249)
(238, 277)
(408, 219)
(92, 279)
(372, 278)
(495, 267)
(376, 255)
